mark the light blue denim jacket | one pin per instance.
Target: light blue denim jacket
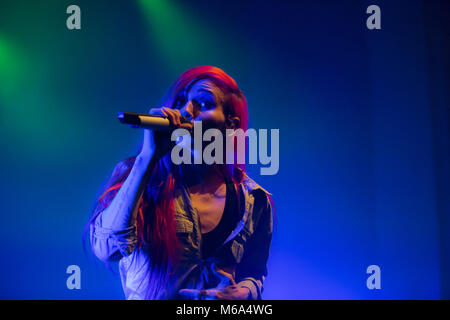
(244, 254)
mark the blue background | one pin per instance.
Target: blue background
(363, 118)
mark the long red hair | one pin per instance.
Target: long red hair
(155, 224)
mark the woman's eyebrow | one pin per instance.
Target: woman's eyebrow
(205, 92)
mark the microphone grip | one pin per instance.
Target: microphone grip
(146, 121)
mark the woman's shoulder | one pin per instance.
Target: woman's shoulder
(251, 187)
(261, 200)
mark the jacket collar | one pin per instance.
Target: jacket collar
(246, 189)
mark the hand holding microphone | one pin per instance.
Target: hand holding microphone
(158, 125)
(154, 121)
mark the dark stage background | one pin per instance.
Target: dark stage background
(363, 118)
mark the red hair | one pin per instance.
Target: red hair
(155, 224)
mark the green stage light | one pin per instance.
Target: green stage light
(12, 67)
(181, 40)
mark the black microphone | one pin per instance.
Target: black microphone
(147, 121)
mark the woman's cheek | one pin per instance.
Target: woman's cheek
(212, 119)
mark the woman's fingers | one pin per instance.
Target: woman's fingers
(232, 292)
(177, 115)
(198, 292)
(174, 116)
(169, 115)
(224, 274)
(157, 112)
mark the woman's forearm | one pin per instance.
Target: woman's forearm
(122, 211)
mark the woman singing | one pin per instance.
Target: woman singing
(189, 231)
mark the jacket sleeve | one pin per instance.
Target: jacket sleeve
(252, 269)
(110, 244)
(116, 236)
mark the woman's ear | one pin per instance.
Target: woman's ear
(233, 122)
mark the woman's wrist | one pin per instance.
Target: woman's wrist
(143, 159)
(144, 163)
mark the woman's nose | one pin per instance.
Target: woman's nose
(188, 111)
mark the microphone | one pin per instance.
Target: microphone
(147, 121)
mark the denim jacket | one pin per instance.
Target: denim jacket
(244, 253)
